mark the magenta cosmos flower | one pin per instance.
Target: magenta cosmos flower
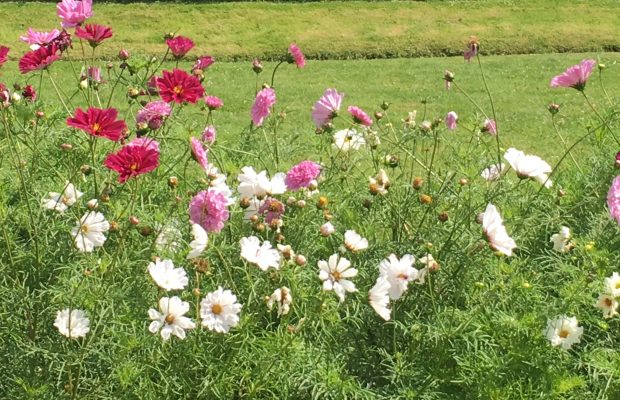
(359, 116)
(451, 119)
(302, 175)
(93, 33)
(179, 46)
(178, 86)
(29, 93)
(38, 59)
(136, 158)
(99, 123)
(38, 39)
(213, 102)
(209, 210)
(613, 199)
(575, 77)
(4, 54)
(203, 63)
(153, 114)
(297, 56)
(74, 12)
(199, 153)
(261, 108)
(326, 109)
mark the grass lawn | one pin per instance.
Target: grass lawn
(345, 29)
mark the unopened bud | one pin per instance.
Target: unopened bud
(133, 93)
(173, 182)
(114, 227)
(327, 229)
(463, 181)
(301, 203)
(39, 114)
(385, 105)
(553, 108)
(123, 55)
(92, 204)
(300, 260)
(244, 203)
(322, 202)
(85, 169)
(133, 220)
(367, 203)
(378, 115)
(257, 66)
(84, 84)
(291, 201)
(417, 183)
(443, 216)
(146, 231)
(196, 292)
(426, 199)
(66, 146)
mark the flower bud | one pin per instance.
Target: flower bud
(114, 227)
(327, 229)
(322, 202)
(173, 182)
(133, 93)
(201, 265)
(417, 183)
(257, 66)
(123, 55)
(85, 169)
(301, 203)
(385, 105)
(133, 220)
(244, 203)
(146, 231)
(259, 227)
(391, 161)
(443, 216)
(84, 84)
(463, 181)
(601, 66)
(553, 108)
(66, 146)
(39, 114)
(92, 204)
(104, 197)
(16, 97)
(426, 199)
(367, 203)
(254, 219)
(378, 115)
(168, 35)
(300, 260)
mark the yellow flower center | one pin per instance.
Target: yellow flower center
(177, 90)
(169, 319)
(95, 128)
(564, 333)
(84, 228)
(216, 309)
(608, 303)
(336, 275)
(133, 166)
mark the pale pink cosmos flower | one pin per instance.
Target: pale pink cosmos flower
(213, 102)
(298, 56)
(575, 76)
(327, 107)
(94, 74)
(302, 175)
(490, 127)
(613, 199)
(37, 39)
(261, 108)
(74, 12)
(209, 134)
(199, 153)
(359, 116)
(154, 114)
(451, 119)
(272, 209)
(149, 143)
(209, 210)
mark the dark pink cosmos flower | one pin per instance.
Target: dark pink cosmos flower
(297, 56)
(203, 63)
(179, 46)
(74, 12)
(575, 77)
(38, 59)
(359, 116)
(261, 108)
(63, 41)
(302, 175)
(178, 86)
(327, 107)
(209, 210)
(99, 123)
(37, 39)
(95, 34)
(213, 102)
(134, 159)
(4, 54)
(29, 93)
(272, 209)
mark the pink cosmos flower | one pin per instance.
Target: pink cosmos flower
(451, 119)
(302, 175)
(575, 77)
(209, 210)
(4, 54)
(261, 108)
(490, 127)
(618, 159)
(94, 74)
(199, 153)
(179, 87)
(99, 122)
(297, 56)
(134, 159)
(327, 107)
(203, 63)
(179, 46)
(472, 49)
(93, 33)
(359, 116)
(209, 134)
(613, 199)
(271, 209)
(153, 114)
(38, 59)
(38, 39)
(213, 102)
(74, 12)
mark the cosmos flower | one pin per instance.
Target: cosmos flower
(74, 12)
(495, 231)
(39, 39)
(359, 116)
(134, 159)
(93, 33)
(258, 184)
(327, 107)
(198, 152)
(166, 276)
(379, 299)
(451, 119)
(612, 285)
(199, 244)
(575, 76)
(38, 59)
(282, 297)
(262, 255)
(179, 46)
(348, 139)
(220, 310)
(72, 323)
(213, 102)
(302, 175)
(89, 233)
(529, 166)
(563, 331)
(203, 63)
(265, 99)
(154, 114)
(493, 172)
(209, 209)
(608, 304)
(170, 318)
(99, 123)
(335, 274)
(354, 242)
(398, 273)
(179, 87)
(560, 240)
(613, 199)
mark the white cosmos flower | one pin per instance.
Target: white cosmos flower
(380, 183)
(354, 242)
(258, 184)
(327, 229)
(379, 298)
(169, 238)
(253, 207)
(335, 273)
(219, 310)
(528, 166)
(398, 273)
(217, 182)
(612, 285)
(72, 323)
(348, 139)
(608, 304)
(431, 265)
(563, 331)
(264, 256)
(493, 172)
(282, 297)
(61, 201)
(286, 251)
(560, 240)
(495, 231)
(199, 244)
(170, 318)
(166, 276)
(89, 233)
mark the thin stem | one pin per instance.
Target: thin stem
(486, 87)
(273, 74)
(557, 131)
(58, 92)
(604, 121)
